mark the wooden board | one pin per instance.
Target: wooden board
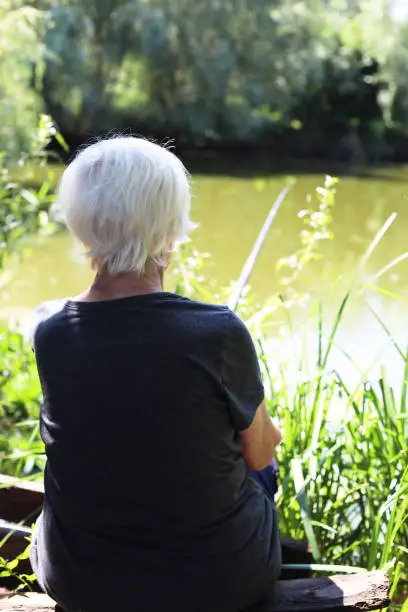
(367, 591)
(20, 500)
(352, 593)
(28, 603)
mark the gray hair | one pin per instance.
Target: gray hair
(128, 201)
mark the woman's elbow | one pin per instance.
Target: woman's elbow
(260, 459)
(258, 465)
(260, 440)
(277, 436)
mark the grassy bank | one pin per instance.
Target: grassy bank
(344, 460)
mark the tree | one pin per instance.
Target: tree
(21, 48)
(208, 71)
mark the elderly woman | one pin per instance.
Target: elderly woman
(158, 494)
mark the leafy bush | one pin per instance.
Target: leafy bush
(21, 53)
(308, 77)
(305, 75)
(21, 449)
(23, 210)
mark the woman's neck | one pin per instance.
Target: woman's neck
(126, 284)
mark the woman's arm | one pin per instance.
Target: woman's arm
(260, 439)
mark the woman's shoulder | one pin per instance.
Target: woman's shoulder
(199, 305)
(42, 313)
(221, 315)
(218, 312)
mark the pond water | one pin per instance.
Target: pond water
(230, 212)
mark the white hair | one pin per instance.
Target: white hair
(128, 201)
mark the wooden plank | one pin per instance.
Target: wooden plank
(31, 602)
(352, 593)
(20, 500)
(27, 485)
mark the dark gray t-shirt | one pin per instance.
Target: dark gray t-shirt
(148, 499)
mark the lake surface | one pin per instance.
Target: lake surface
(230, 212)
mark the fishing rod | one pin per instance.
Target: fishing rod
(256, 249)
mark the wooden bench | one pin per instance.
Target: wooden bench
(356, 592)
(20, 499)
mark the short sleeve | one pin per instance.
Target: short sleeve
(240, 373)
(41, 313)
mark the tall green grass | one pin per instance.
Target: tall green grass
(344, 466)
(344, 455)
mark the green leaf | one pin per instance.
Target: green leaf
(30, 197)
(304, 509)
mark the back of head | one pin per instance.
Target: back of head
(128, 201)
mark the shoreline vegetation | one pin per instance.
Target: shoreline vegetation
(344, 480)
(307, 79)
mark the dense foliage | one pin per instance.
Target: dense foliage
(309, 77)
(23, 210)
(21, 52)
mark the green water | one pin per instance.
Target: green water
(230, 212)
